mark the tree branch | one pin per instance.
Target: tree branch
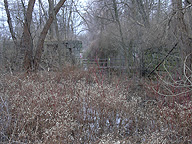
(9, 21)
(163, 59)
(43, 34)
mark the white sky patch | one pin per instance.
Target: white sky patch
(4, 29)
(3, 18)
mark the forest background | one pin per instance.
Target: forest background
(146, 100)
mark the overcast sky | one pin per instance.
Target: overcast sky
(3, 17)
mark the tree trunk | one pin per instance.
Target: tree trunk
(143, 13)
(121, 34)
(9, 21)
(158, 10)
(43, 34)
(52, 29)
(182, 33)
(145, 19)
(26, 40)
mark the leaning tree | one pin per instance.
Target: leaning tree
(26, 42)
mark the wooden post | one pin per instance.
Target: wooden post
(109, 65)
(59, 54)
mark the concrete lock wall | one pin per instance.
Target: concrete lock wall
(58, 54)
(55, 55)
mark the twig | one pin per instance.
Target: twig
(163, 60)
(184, 70)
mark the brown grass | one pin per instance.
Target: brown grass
(74, 106)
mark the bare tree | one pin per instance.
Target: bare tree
(26, 39)
(53, 25)
(9, 21)
(29, 62)
(182, 32)
(121, 33)
(143, 13)
(43, 34)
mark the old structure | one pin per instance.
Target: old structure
(55, 55)
(58, 54)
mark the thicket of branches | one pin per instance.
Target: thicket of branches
(135, 30)
(142, 31)
(32, 22)
(74, 105)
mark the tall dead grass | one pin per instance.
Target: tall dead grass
(75, 106)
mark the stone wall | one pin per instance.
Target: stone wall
(58, 54)
(55, 55)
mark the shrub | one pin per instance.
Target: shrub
(75, 106)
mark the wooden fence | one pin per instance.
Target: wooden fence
(109, 65)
